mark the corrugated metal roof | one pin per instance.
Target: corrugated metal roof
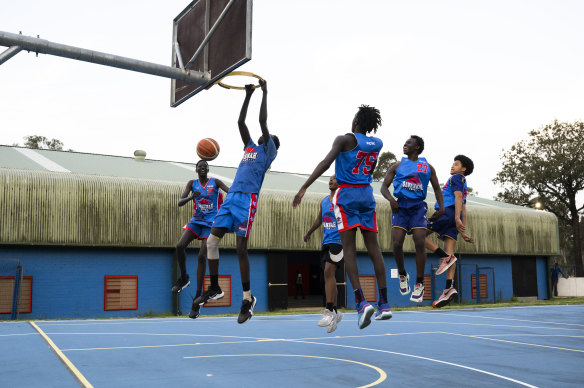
(115, 201)
(118, 166)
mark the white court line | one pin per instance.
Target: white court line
(422, 358)
(223, 178)
(507, 319)
(482, 337)
(44, 162)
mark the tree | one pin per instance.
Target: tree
(41, 142)
(549, 165)
(385, 160)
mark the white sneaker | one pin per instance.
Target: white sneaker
(404, 286)
(328, 317)
(333, 326)
(418, 294)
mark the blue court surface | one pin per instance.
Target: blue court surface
(539, 346)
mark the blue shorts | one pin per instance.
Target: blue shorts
(237, 213)
(410, 216)
(200, 230)
(355, 207)
(445, 226)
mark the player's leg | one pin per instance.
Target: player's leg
(214, 291)
(181, 255)
(330, 290)
(419, 236)
(398, 236)
(449, 293)
(372, 245)
(201, 267)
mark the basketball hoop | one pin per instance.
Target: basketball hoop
(242, 73)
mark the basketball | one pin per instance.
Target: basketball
(208, 149)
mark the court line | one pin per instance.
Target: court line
(423, 358)
(68, 364)
(251, 340)
(382, 374)
(509, 319)
(516, 342)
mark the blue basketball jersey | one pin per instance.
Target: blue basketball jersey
(457, 182)
(205, 204)
(329, 222)
(354, 166)
(411, 179)
(256, 160)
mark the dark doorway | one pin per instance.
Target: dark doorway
(524, 275)
(310, 293)
(277, 281)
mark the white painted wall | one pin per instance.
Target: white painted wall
(571, 287)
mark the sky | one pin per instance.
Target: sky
(470, 77)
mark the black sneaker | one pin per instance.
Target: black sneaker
(195, 310)
(246, 310)
(181, 284)
(208, 295)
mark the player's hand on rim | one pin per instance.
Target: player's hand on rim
(249, 89)
(298, 198)
(263, 85)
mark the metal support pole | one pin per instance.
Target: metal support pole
(209, 35)
(477, 285)
(16, 293)
(9, 53)
(433, 278)
(45, 47)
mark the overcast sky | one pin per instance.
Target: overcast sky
(470, 77)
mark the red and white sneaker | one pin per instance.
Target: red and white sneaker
(445, 263)
(447, 296)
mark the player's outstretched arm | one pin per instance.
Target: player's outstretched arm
(437, 193)
(388, 180)
(221, 185)
(317, 222)
(243, 130)
(264, 111)
(321, 168)
(460, 224)
(185, 197)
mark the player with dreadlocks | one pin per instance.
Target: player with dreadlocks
(355, 156)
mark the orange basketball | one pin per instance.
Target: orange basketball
(208, 149)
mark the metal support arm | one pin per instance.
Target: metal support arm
(9, 53)
(45, 47)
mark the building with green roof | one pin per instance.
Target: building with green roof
(95, 235)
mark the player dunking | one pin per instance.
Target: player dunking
(450, 224)
(355, 156)
(205, 193)
(331, 258)
(410, 179)
(239, 209)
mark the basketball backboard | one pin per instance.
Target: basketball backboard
(212, 36)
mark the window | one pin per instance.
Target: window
(225, 284)
(121, 293)
(482, 284)
(369, 287)
(7, 291)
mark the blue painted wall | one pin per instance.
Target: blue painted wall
(229, 265)
(542, 277)
(467, 266)
(69, 282)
